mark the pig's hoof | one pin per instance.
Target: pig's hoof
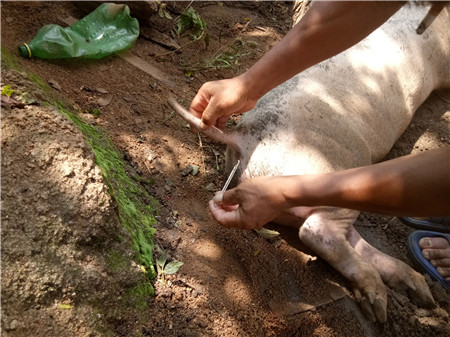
(419, 291)
(408, 280)
(373, 304)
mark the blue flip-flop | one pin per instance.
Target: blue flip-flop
(416, 255)
(431, 224)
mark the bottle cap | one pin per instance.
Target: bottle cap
(25, 51)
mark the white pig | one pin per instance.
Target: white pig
(342, 113)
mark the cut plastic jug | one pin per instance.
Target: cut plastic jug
(107, 30)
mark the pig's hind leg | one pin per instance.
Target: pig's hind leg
(325, 232)
(394, 273)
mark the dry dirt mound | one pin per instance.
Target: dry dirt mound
(60, 273)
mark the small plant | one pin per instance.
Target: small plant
(192, 21)
(95, 112)
(222, 59)
(163, 268)
(6, 90)
(162, 11)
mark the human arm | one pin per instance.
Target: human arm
(414, 185)
(327, 29)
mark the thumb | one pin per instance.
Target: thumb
(228, 197)
(210, 114)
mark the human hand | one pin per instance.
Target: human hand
(216, 101)
(250, 205)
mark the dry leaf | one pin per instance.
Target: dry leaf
(104, 101)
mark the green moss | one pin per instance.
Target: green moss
(9, 60)
(116, 261)
(138, 295)
(136, 209)
(39, 82)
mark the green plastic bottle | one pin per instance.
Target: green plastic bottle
(105, 31)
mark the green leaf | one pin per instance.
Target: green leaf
(167, 14)
(207, 40)
(6, 90)
(161, 260)
(268, 233)
(190, 19)
(172, 267)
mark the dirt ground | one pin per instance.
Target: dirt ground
(67, 264)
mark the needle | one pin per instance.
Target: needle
(233, 171)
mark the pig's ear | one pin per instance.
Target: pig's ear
(213, 132)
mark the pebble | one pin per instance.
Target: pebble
(14, 325)
(194, 170)
(188, 169)
(211, 187)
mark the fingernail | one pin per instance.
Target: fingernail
(425, 242)
(426, 254)
(218, 197)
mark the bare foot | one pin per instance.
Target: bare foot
(437, 251)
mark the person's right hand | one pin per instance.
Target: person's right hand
(253, 203)
(216, 101)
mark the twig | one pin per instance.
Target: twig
(201, 147)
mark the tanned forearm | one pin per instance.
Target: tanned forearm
(327, 29)
(414, 185)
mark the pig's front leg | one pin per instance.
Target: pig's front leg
(324, 232)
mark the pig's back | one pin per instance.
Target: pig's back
(349, 110)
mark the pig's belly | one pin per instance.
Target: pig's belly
(294, 217)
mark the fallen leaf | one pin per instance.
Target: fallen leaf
(54, 84)
(211, 187)
(102, 90)
(268, 234)
(104, 101)
(194, 170)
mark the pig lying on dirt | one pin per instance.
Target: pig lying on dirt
(346, 112)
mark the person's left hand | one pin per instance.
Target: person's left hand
(250, 205)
